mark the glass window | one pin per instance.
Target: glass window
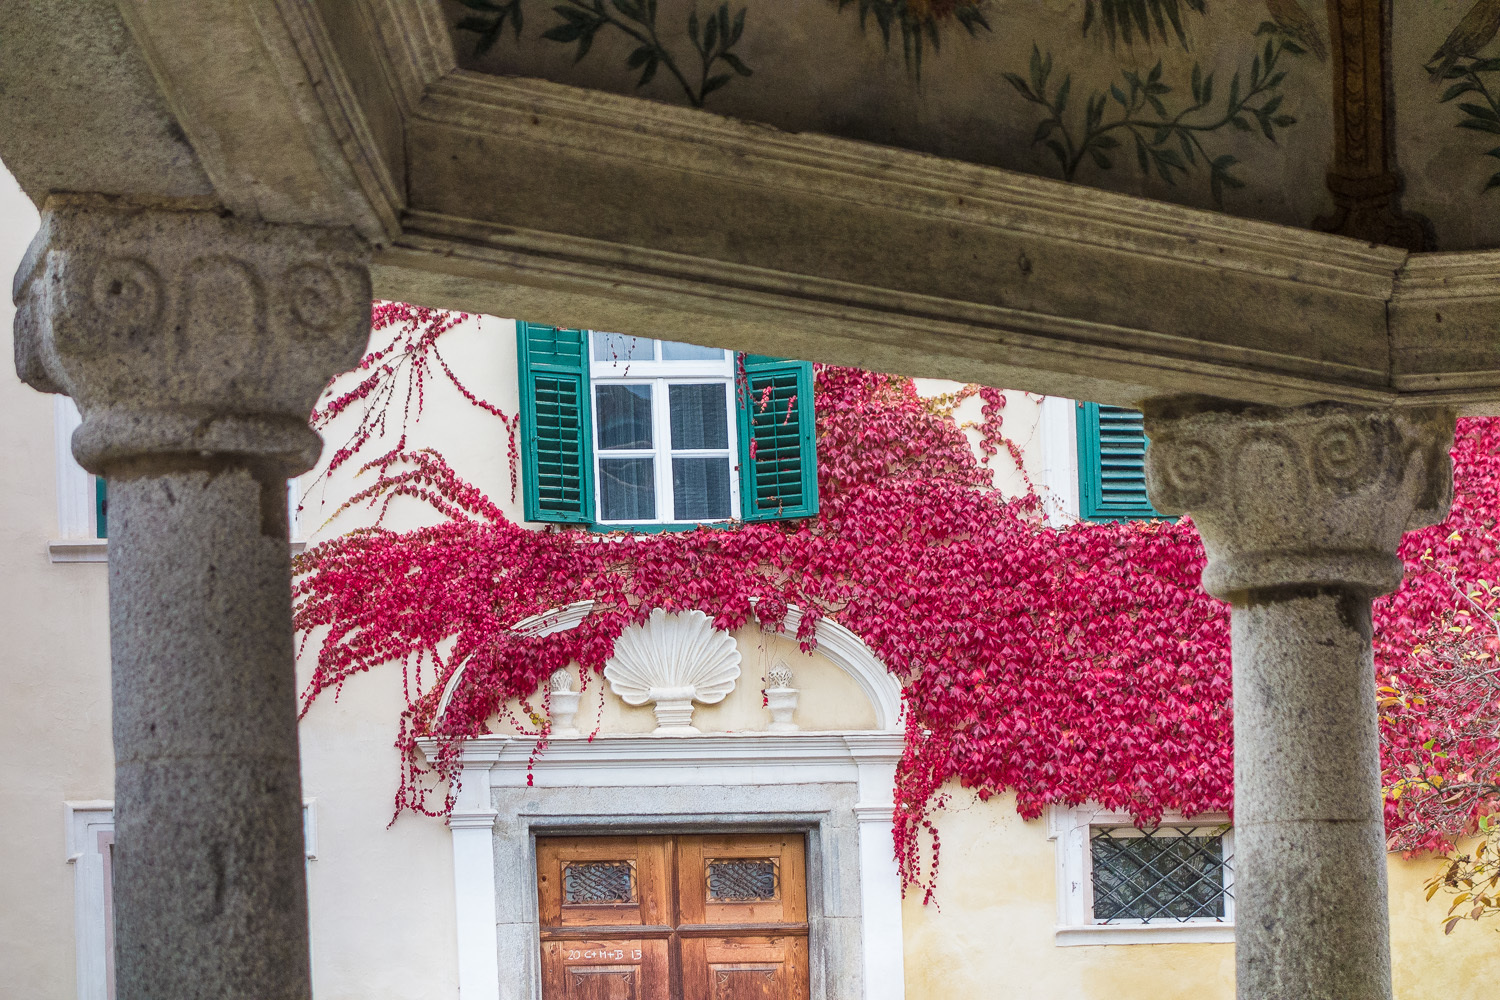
(1168, 874)
(673, 351)
(664, 432)
(700, 418)
(619, 347)
(624, 416)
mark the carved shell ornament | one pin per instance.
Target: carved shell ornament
(673, 660)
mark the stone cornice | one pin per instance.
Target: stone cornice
(747, 236)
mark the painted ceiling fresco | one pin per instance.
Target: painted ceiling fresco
(1380, 120)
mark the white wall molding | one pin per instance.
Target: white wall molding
(1069, 828)
(843, 782)
(89, 829)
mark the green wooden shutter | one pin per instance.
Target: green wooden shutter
(101, 508)
(780, 479)
(556, 429)
(1112, 464)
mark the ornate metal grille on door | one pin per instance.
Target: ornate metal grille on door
(737, 880)
(595, 883)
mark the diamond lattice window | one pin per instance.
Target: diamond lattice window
(598, 883)
(742, 880)
(1169, 874)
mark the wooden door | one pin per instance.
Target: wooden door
(715, 917)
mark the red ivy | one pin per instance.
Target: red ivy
(1083, 663)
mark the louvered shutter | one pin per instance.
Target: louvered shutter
(1112, 464)
(555, 424)
(101, 508)
(778, 454)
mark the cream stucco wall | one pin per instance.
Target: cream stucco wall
(54, 675)
(989, 932)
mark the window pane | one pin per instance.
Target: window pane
(673, 351)
(1158, 875)
(700, 415)
(700, 489)
(627, 489)
(624, 416)
(619, 347)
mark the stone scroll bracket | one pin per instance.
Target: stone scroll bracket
(1313, 496)
(185, 334)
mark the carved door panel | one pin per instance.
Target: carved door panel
(673, 918)
(743, 906)
(605, 906)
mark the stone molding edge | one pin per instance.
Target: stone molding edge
(1068, 827)
(861, 173)
(566, 272)
(739, 750)
(841, 645)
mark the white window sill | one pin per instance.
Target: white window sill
(96, 550)
(1164, 933)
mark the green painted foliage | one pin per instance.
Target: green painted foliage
(1127, 20)
(1166, 129)
(918, 24)
(713, 38)
(1466, 78)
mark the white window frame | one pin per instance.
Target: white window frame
(1058, 434)
(89, 830)
(1071, 829)
(660, 375)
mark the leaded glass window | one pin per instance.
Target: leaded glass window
(1168, 874)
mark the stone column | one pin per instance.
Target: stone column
(195, 346)
(1301, 511)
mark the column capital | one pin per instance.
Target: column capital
(188, 334)
(1311, 496)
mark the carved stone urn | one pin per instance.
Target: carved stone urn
(564, 702)
(781, 698)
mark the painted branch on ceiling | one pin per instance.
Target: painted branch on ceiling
(712, 64)
(1172, 144)
(1458, 65)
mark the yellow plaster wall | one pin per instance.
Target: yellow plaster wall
(990, 932)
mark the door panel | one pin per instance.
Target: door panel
(611, 881)
(702, 917)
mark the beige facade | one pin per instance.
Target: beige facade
(382, 897)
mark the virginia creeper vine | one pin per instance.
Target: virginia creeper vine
(1064, 664)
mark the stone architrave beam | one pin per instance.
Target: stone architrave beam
(1301, 511)
(195, 346)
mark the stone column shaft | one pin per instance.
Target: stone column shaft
(195, 346)
(1301, 511)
